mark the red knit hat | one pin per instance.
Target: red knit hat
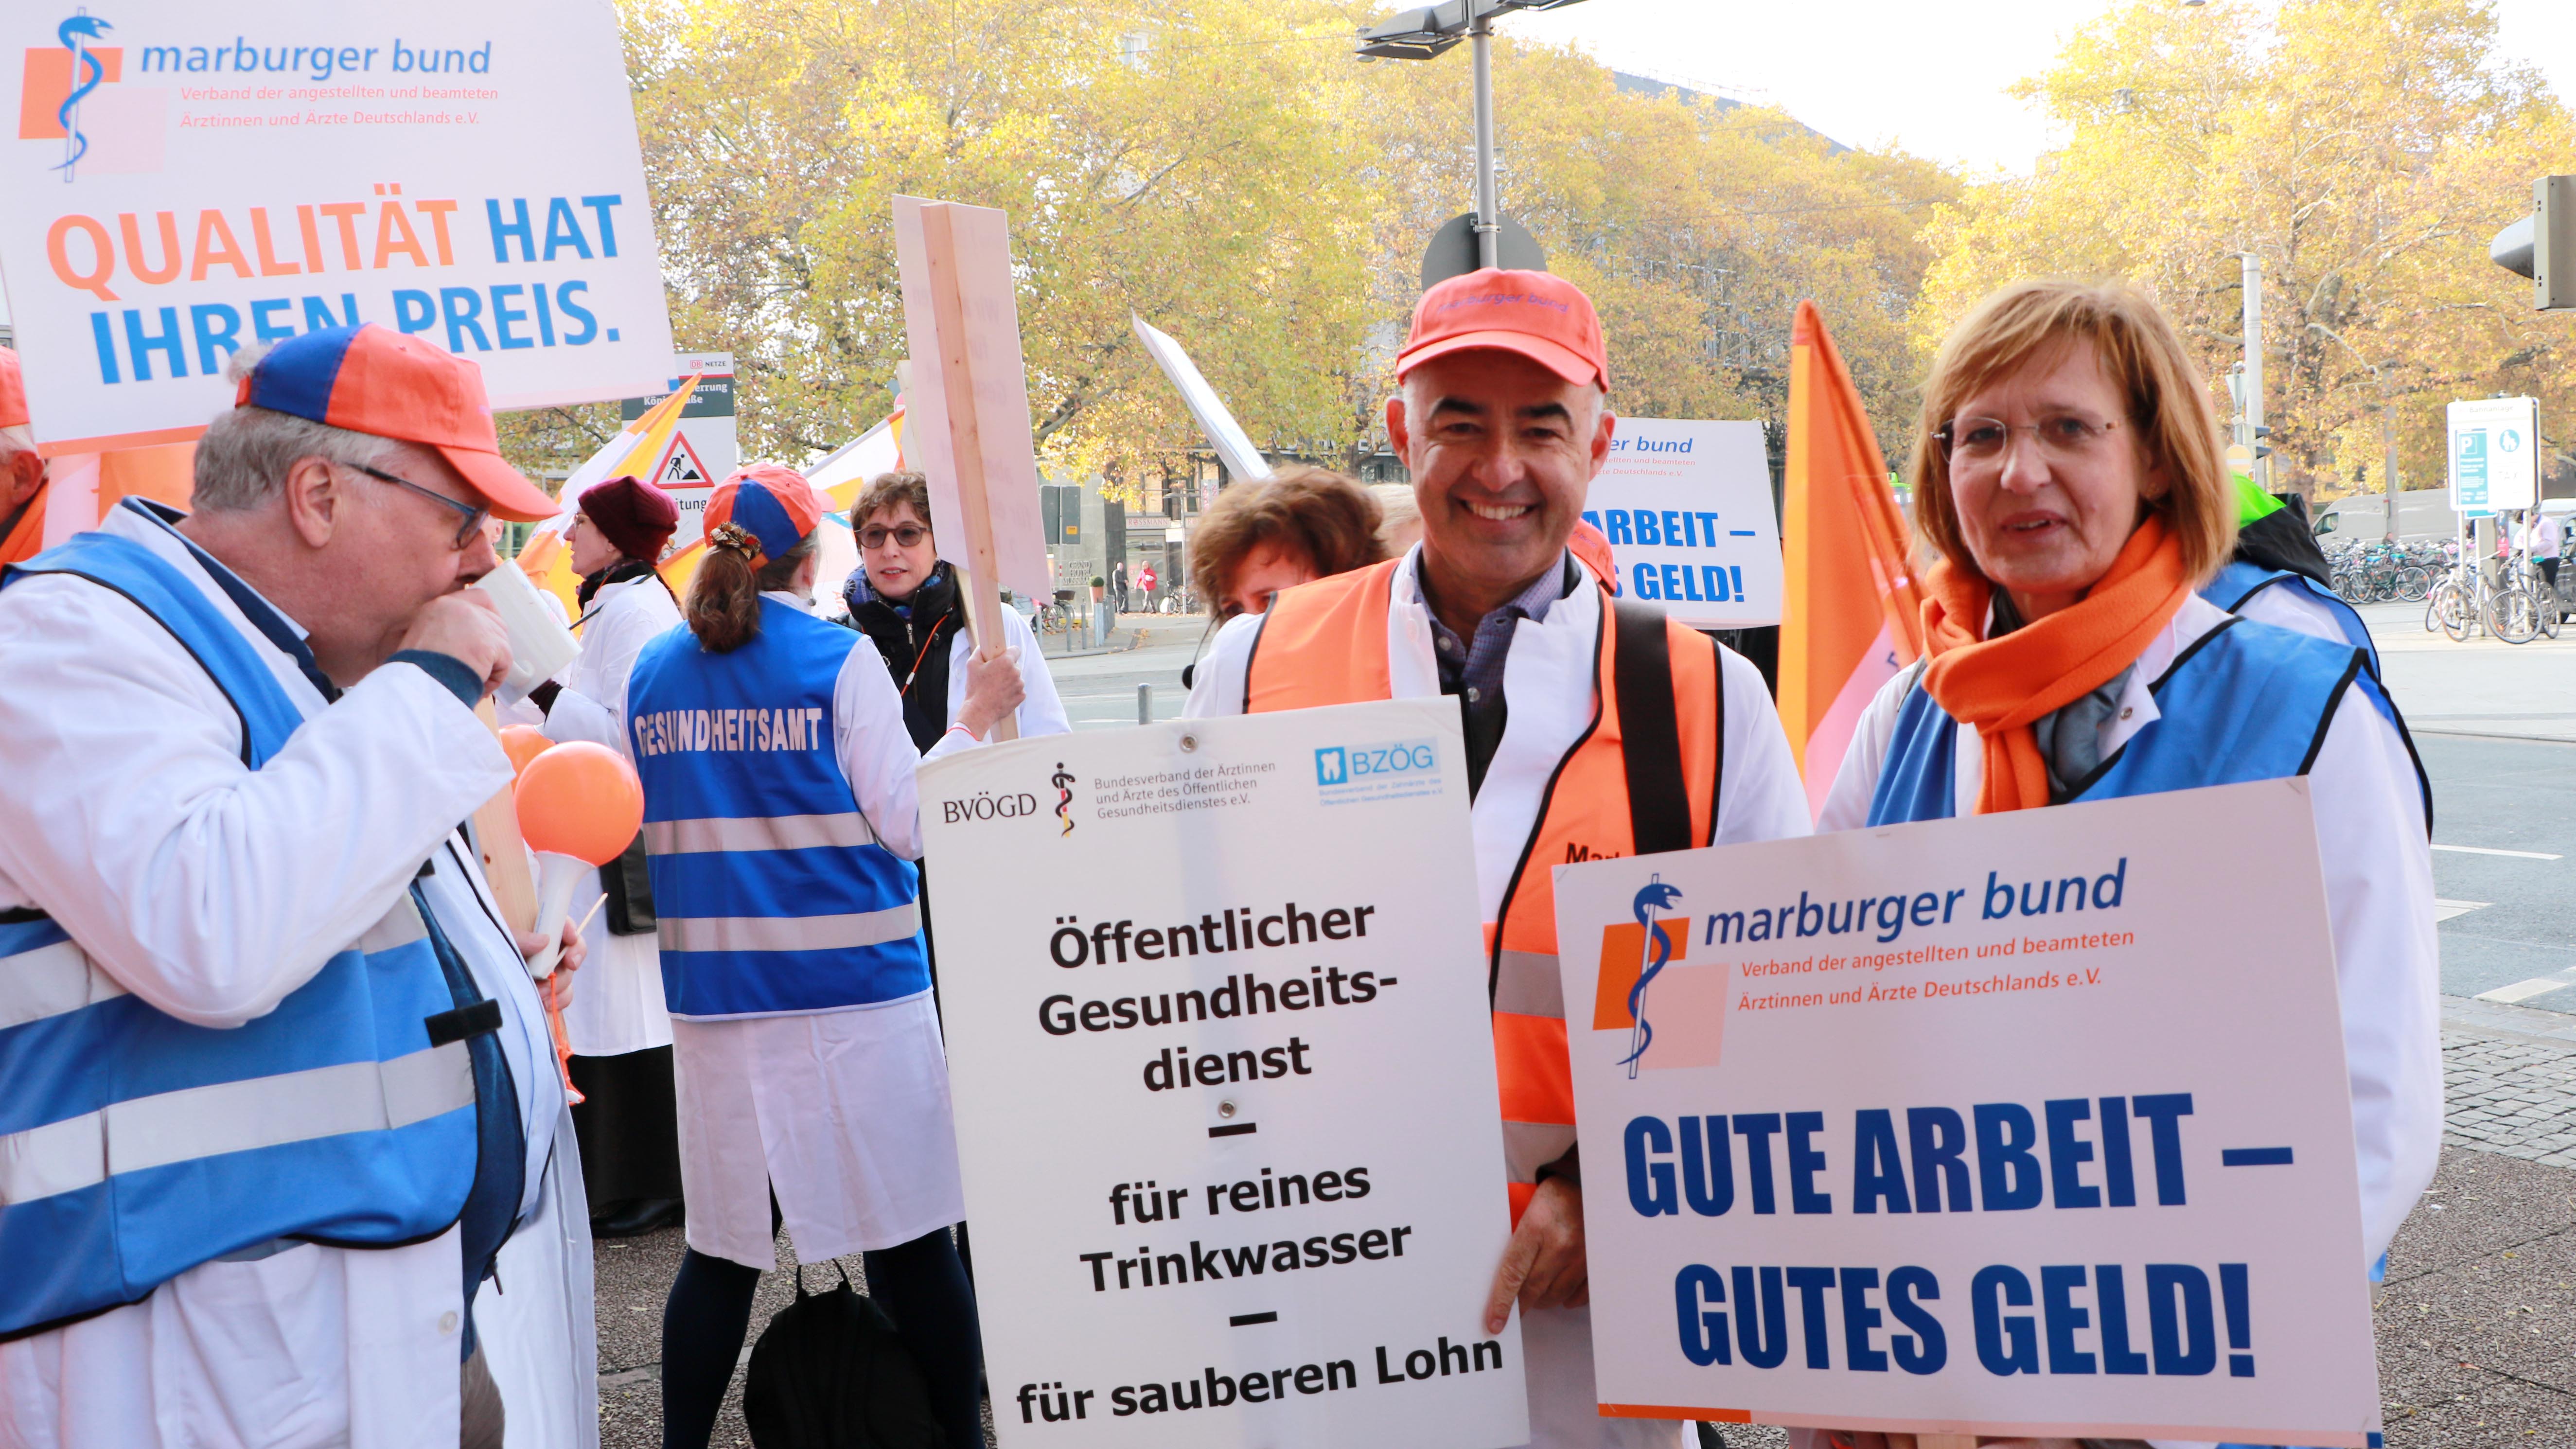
(632, 514)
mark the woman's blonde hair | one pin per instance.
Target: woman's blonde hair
(2167, 405)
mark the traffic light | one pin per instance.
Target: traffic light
(2542, 246)
(2262, 449)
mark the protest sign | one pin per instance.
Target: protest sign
(701, 452)
(188, 178)
(2023, 1124)
(966, 403)
(1224, 1082)
(1216, 422)
(1687, 509)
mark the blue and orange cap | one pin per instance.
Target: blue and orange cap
(380, 382)
(762, 511)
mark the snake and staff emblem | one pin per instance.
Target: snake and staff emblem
(75, 34)
(1063, 783)
(1658, 950)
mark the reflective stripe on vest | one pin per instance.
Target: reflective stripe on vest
(1325, 643)
(2244, 702)
(135, 1146)
(774, 895)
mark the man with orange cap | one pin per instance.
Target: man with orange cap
(280, 1086)
(22, 470)
(1593, 727)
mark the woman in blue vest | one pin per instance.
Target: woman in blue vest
(781, 816)
(2066, 471)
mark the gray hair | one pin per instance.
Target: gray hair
(247, 452)
(15, 439)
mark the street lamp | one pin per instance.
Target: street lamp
(1424, 33)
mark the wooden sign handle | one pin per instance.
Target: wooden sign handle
(965, 440)
(1945, 1441)
(505, 856)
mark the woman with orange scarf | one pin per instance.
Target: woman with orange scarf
(2066, 471)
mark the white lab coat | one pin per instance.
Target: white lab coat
(845, 1114)
(1548, 689)
(619, 1006)
(211, 892)
(2379, 899)
(1041, 712)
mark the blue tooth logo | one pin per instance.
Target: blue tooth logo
(1659, 949)
(75, 34)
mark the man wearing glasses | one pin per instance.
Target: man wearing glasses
(278, 1085)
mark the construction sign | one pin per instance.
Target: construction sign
(704, 450)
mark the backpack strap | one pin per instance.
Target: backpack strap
(1649, 730)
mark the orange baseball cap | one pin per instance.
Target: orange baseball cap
(386, 384)
(762, 511)
(1544, 318)
(13, 391)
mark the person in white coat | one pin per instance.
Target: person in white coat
(1503, 422)
(280, 1084)
(781, 810)
(619, 1027)
(909, 602)
(2067, 472)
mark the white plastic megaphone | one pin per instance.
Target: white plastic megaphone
(541, 642)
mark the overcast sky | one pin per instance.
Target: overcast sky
(1928, 77)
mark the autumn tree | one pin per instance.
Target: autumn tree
(2364, 150)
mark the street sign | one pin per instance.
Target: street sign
(2494, 455)
(704, 450)
(1452, 252)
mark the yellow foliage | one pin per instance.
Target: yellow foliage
(2365, 150)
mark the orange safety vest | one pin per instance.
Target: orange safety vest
(1325, 643)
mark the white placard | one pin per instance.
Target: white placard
(2495, 455)
(2110, 1027)
(1687, 508)
(988, 308)
(1217, 1030)
(246, 170)
(1216, 421)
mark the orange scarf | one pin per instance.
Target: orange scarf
(2000, 686)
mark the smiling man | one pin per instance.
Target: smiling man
(1593, 727)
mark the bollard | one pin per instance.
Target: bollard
(1144, 704)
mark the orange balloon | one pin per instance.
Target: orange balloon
(523, 743)
(581, 800)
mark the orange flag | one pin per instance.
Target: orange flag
(1851, 614)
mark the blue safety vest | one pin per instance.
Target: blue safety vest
(135, 1146)
(2238, 583)
(774, 896)
(2246, 701)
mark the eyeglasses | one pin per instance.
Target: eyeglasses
(907, 535)
(1981, 443)
(474, 513)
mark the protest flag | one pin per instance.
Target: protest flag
(544, 558)
(1850, 612)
